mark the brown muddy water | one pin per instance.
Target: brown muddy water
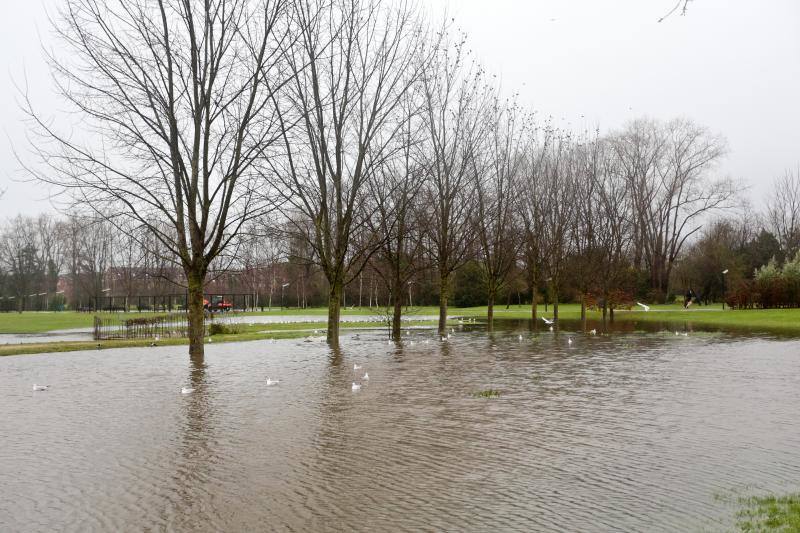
(634, 431)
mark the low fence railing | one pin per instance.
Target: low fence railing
(163, 326)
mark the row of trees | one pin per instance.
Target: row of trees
(50, 263)
(369, 137)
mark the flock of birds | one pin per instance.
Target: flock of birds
(356, 386)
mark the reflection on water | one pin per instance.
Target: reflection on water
(630, 431)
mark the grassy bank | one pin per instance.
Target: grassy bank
(771, 320)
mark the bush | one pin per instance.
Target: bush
(217, 328)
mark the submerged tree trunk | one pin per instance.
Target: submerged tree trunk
(334, 313)
(196, 315)
(583, 311)
(443, 290)
(555, 302)
(398, 308)
(490, 311)
(533, 301)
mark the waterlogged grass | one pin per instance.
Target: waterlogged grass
(770, 513)
(785, 321)
(488, 393)
(238, 333)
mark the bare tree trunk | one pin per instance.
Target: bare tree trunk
(490, 312)
(195, 316)
(397, 315)
(334, 313)
(605, 311)
(554, 292)
(533, 299)
(443, 293)
(583, 311)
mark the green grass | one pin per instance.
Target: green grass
(488, 393)
(771, 320)
(770, 513)
(34, 322)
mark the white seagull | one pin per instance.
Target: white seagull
(357, 367)
(548, 322)
(271, 382)
(645, 307)
(366, 376)
(356, 386)
(187, 390)
(40, 387)
(593, 332)
(520, 338)
(569, 341)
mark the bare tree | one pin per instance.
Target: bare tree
(531, 206)
(399, 215)
(667, 166)
(783, 212)
(558, 209)
(586, 253)
(353, 63)
(613, 226)
(455, 100)
(496, 176)
(20, 253)
(178, 93)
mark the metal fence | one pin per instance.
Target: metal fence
(164, 326)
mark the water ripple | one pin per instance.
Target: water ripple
(633, 432)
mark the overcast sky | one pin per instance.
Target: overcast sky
(731, 65)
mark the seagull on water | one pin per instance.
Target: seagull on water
(357, 367)
(187, 390)
(366, 376)
(40, 387)
(271, 382)
(569, 341)
(520, 338)
(356, 386)
(645, 307)
(593, 332)
(548, 322)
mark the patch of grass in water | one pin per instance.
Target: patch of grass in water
(770, 513)
(488, 393)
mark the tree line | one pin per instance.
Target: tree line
(366, 136)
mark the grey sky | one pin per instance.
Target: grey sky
(731, 65)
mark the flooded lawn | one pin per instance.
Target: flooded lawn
(636, 431)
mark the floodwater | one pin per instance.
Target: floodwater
(634, 431)
(82, 334)
(85, 334)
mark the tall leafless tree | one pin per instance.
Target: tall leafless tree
(178, 95)
(783, 212)
(399, 215)
(667, 166)
(456, 97)
(498, 164)
(353, 63)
